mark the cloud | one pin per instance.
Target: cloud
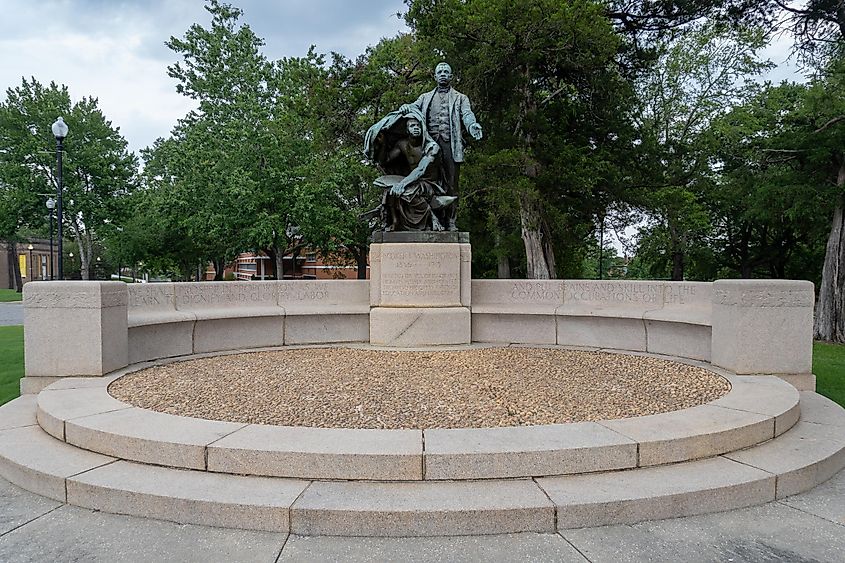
(114, 50)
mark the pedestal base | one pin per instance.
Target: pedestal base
(410, 327)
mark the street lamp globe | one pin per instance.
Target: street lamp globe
(60, 128)
(51, 204)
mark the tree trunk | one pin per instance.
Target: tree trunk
(538, 251)
(279, 254)
(830, 310)
(219, 266)
(84, 253)
(15, 278)
(360, 253)
(677, 266)
(503, 268)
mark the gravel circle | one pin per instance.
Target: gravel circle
(477, 388)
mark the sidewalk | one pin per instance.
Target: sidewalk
(806, 527)
(11, 313)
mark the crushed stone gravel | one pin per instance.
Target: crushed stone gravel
(477, 388)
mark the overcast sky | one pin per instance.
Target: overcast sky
(114, 49)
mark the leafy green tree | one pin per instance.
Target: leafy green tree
(695, 80)
(98, 168)
(545, 84)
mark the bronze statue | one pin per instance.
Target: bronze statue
(444, 109)
(410, 159)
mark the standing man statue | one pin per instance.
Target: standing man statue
(445, 109)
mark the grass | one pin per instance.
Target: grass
(7, 295)
(829, 367)
(11, 362)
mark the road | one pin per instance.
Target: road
(11, 314)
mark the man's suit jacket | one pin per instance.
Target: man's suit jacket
(459, 111)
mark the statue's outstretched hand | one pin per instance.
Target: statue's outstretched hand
(404, 109)
(397, 189)
(475, 131)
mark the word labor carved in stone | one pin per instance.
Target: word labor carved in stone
(305, 292)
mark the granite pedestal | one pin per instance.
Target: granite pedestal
(420, 289)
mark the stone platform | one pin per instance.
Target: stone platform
(763, 441)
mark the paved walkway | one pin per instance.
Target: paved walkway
(11, 313)
(805, 528)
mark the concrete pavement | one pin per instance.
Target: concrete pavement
(803, 528)
(11, 313)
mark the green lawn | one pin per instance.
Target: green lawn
(7, 295)
(11, 362)
(829, 367)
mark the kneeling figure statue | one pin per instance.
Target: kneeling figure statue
(414, 198)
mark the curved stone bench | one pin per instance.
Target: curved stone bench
(747, 326)
(82, 413)
(659, 317)
(177, 319)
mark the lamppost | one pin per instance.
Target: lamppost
(51, 204)
(30, 269)
(60, 131)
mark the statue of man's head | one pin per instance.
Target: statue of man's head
(414, 128)
(443, 74)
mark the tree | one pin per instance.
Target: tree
(544, 79)
(698, 76)
(99, 170)
(825, 110)
(237, 170)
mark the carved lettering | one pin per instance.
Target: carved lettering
(419, 284)
(678, 294)
(303, 291)
(613, 292)
(529, 292)
(766, 298)
(225, 294)
(150, 296)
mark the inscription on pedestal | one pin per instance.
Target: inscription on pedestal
(421, 275)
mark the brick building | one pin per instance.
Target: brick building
(33, 257)
(308, 266)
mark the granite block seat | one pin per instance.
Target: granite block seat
(232, 315)
(513, 311)
(683, 325)
(325, 311)
(156, 328)
(607, 314)
(671, 318)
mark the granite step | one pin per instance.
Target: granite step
(802, 457)
(82, 413)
